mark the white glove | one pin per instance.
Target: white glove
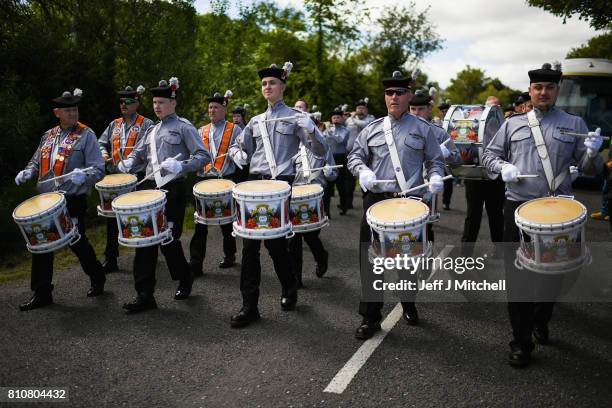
(23, 176)
(436, 184)
(240, 158)
(445, 151)
(125, 165)
(78, 177)
(510, 173)
(574, 173)
(366, 179)
(593, 142)
(172, 165)
(328, 172)
(305, 122)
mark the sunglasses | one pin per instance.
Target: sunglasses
(127, 101)
(398, 92)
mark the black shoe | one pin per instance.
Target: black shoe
(244, 317)
(96, 289)
(321, 268)
(366, 330)
(196, 269)
(110, 265)
(447, 207)
(140, 304)
(288, 303)
(540, 334)
(411, 315)
(227, 262)
(37, 300)
(183, 291)
(519, 357)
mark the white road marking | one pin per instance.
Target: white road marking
(344, 377)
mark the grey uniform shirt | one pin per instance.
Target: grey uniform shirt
(174, 135)
(85, 153)
(416, 144)
(106, 140)
(314, 162)
(216, 133)
(285, 137)
(337, 137)
(514, 143)
(355, 126)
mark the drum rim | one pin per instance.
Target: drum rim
(120, 207)
(520, 221)
(113, 186)
(209, 193)
(373, 222)
(43, 213)
(321, 191)
(252, 194)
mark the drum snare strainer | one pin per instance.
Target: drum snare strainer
(552, 233)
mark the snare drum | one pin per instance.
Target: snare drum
(552, 233)
(214, 203)
(141, 218)
(469, 126)
(262, 209)
(400, 225)
(111, 187)
(306, 210)
(45, 223)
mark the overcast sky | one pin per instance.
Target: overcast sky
(505, 38)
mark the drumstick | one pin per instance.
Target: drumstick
(524, 176)
(85, 170)
(155, 172)
(322, 168)
(583, 135)
(383, 181)
(277, 119)
(425, 185)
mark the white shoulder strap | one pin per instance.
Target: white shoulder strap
(395, 160)
(534, 125)
(159, 180)
(268, 148)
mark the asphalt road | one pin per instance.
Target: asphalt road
(185, 353)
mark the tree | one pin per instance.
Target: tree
(597, 12)
(596, 47)
(472, 86)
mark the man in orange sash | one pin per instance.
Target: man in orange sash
(116, 143)
(217, 137)
(66, 148)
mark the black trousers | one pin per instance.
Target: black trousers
(491, 194)
(42, 264)
(145, 260)
(111, 252)
(527, 314)
(350, 188)
(370, 311)
(342, 183)
(295, 250)
(197, 246)
(448, 191)
(250, 272)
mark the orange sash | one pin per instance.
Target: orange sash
(222, 151)
(131, 139)
(63, 152)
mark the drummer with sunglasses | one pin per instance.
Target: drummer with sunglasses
(270, 147)
(513, 152)
(66, 148)
(373, 158)
(116, 143)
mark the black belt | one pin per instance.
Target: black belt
(255, 176)
(386, 194)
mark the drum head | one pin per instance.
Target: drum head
(398, 210)
(37, 204)
(306, 189)
(261, 186)
(117, 180)
(551, 210)
(213, 186)
(138, 198)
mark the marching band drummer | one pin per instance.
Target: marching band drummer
(116, 143)
(513, 151)
(170, 136)
(270, 146)
(217, 137)
(374, 157)
(321, 177)
(66, 148)
(337, 136)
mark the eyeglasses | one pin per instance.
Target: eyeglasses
(398, 92)
(126, 101)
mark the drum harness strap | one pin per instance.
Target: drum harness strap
(131, 138)
(219, 156)
(159, 180)
(553, 182)
(397, 165)
(265, 137)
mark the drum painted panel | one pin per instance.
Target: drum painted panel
(306, 210)
(141, 218)
(111, 187)
(214, 203)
